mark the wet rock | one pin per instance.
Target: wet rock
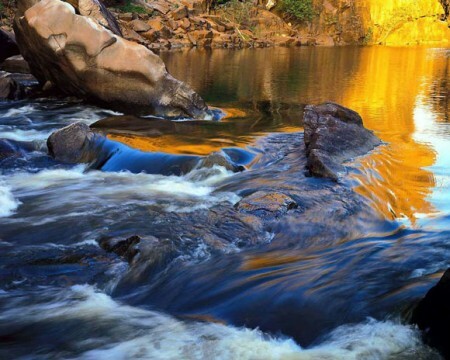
(8, 45)
(72, 143)
(15, 64)
(333, 135)
(83, 59)
(432, 315)
(219, 159)
(263, 203)
(17, 86)
(77, 143)
(126, 248)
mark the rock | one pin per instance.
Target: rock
(126, 16)
(8, 45)
(263, 203)
(185, 23)
(126, 248)
(179, 13)
(83, 59)
(432, 316)
(16, 86)
(333, 135)
(139, 25)
(72, 144)
(15, 64)
(159, 6)
(151, 35)
(97, 10)
(219, 159)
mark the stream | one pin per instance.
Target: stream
(333, 279)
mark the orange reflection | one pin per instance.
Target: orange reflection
(405, 183)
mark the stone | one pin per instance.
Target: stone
(126, 17)
(8, 45)
(16, 86)
(139, 25)
(97, 10)
(432, 316)
(83, 59)
(179, 13)
(71, 144)
(185, 24)
(219, 159)
(261, 202)
(15, 64)
(334, 134)
(151, 35)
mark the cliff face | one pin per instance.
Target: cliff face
(392, 22)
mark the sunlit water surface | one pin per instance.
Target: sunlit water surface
(341, 301)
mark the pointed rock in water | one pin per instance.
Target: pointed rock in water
(82, 58)
(334, 134)
(432, 315)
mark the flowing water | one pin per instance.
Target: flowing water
(62, 296)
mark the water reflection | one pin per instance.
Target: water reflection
(392, 88)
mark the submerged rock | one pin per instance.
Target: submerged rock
(82, 58)
(266, 203)
(334, 134)
(432, 315)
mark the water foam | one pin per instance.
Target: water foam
(8, 204)
(131, 333)
(88, 193)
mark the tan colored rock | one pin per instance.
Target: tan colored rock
(151, 35)
(84, 59)
(139, 26)
(185, 23)
(179, 13)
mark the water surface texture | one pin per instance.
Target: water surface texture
(62, 296)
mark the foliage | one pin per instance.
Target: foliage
(238, 12)
(301, 10)
(129, 7)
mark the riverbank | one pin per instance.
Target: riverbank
(175, 24)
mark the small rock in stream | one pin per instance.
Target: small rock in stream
(334, 134)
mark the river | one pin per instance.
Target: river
(337, 294)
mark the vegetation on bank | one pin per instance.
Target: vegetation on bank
(300, 10)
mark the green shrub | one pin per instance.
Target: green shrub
(129, 7)
(301, 10)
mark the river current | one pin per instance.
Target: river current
(62, 296)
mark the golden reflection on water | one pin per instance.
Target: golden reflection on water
(265, 91)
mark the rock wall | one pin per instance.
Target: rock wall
(391, 22)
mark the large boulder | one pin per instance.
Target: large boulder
(8, 46)
(94, 9)
(334, 134)
(82, 58)
(432, 315)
